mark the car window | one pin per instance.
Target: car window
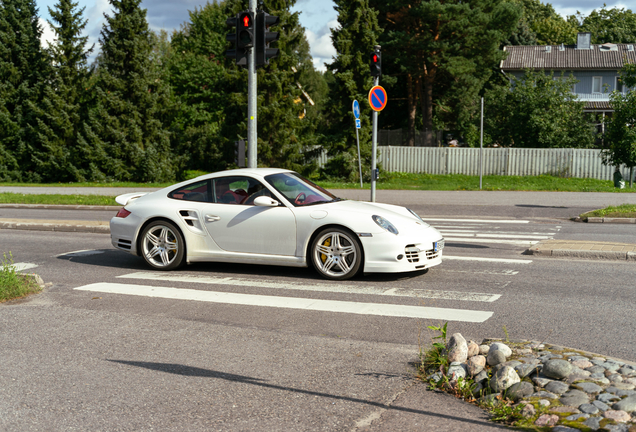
(199, 191)
(238, 190)
(298, 190)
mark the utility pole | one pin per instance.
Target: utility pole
(252, 149)
(375, 66)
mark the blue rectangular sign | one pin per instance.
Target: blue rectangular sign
(358, 124)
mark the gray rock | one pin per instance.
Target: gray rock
(523, 370)
(589, 387)
(626, 370)
(623, 393)
(503, 378)
(557, 387)
(528, 411)
(495, 357)
(628, 404)
(575, 398)
(611, 366)
(599, 375)
(600, 405)
(576, 357)
(616, 378)
(499, 346)
(457, 348)
(519, 390)
(596, 369)
(561, 428)
(577, 417)
(616, 387)
(597, 362)
(617, 428)
(593, 423)
(589, 408)
(481, 376)
(476, 364)
(576, 377)
(607, 397)
(457, 369)
(483, 350)
(533, 360)
(544, 394)
(541, 382)
(557, 369)
(600, 380)
(490, 398)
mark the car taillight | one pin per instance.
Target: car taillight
(122, 213)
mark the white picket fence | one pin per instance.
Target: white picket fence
(581, 163)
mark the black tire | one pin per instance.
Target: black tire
(162, 246)
(336, 254)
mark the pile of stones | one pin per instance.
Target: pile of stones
(561, 388)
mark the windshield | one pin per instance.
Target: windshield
(298, 190)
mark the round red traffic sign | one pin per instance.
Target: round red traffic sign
(377, 98)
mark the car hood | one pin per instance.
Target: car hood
(399, 216)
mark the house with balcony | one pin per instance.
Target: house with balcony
(596, 67)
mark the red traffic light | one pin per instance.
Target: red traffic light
(246, 21)
(374, 58)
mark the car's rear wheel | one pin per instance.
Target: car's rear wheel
(336, 254)
(162, 245)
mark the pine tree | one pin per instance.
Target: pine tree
(124, 134)
(354, 39)
(23, 75)
(60, 113)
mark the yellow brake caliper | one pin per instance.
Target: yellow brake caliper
(326, 243)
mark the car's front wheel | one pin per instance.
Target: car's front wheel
(162, 245)
(336, 254)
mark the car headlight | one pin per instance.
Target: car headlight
(385, 224)
(417, 216)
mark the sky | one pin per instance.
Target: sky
(317, 16)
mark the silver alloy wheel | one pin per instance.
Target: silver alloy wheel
(336, 255)
(160, 246)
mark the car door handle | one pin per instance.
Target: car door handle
(212, 218)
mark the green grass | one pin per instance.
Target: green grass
(623, 210)
(12, 284)
(16, 198)
(406, 181)
(395, 181)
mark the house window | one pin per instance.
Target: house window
(619, 85)
(596, 84)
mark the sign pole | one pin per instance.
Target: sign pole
(356, 115)
(374, 147)
(252, 149)
(481, 145)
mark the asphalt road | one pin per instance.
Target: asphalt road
(89, 359)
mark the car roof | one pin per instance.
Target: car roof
(258, 172)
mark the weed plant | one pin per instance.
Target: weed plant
(12, 284)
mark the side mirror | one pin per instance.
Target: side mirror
(264, 201)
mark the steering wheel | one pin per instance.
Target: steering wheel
(300, 199)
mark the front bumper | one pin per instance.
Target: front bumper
(387, 253)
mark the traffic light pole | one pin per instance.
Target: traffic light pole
(252, 149)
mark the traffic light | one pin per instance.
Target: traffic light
(375, 63)
(239, 153)
(239, 56)
(263, 38)
(245, 33)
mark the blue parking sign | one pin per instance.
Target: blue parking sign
(356, 109)
(358, 123)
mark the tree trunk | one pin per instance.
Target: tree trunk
(412, 109)
(426, 99)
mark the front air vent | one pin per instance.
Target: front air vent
(124, 244)
(412, 253)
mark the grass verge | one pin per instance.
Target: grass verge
(389, 181)
(620, 211)
(13, 284)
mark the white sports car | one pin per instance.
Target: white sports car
(275, 217)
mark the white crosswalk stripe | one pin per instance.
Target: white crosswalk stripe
(490, 231)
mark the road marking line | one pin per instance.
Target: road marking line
(334, 288)
(500, 260)
(391, 310)
(480, 235)
(488, 272)
(478, 220)
(23, 266)
(456, 231)
(81, 253)
(484, 240)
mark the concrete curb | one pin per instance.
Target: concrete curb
(83, 226)
(59, 207)
(584, 250)
(611, 220)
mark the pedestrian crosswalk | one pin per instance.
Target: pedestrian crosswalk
(376, 299)
(489, 231)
